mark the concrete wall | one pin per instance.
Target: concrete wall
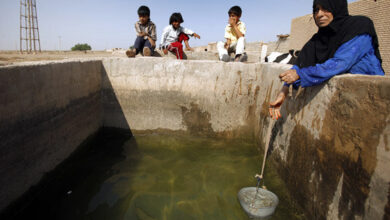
(208, 97)
(331, 147)
(46, 110)
(303, 28)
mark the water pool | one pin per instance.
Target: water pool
(153, 176)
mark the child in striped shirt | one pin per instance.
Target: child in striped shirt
(146, 34)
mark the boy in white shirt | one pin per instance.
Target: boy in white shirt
(174, 34)
(235, 37)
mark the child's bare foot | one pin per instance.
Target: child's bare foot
(130, 53)
(189, 49)
(147, 52)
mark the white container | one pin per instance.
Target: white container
(258, 205)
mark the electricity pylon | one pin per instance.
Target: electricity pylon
(29, 31)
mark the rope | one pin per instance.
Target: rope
(260, 177)
(268, 139)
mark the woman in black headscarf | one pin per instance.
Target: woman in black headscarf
(342, 44)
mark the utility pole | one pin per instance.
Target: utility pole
(59, 43)
(29, 31)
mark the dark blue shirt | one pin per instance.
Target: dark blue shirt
(356, 56)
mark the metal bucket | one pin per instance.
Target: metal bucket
(258, 204)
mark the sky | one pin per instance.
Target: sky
(106, 24)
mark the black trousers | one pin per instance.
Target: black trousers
(140, 43)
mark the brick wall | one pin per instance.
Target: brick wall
(302, 28)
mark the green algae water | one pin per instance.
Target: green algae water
(154, 176)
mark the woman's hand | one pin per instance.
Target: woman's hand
(274, 107)
(289, 76)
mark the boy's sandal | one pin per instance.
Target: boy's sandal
(237, 58)
(146, 52)
(244, 57)
(130, 53)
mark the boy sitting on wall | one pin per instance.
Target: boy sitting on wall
(146, 34)
(234, 34)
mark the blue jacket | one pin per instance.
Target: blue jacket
(356, 56)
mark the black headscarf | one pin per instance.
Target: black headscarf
(324, 44)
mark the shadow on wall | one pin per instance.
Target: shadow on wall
(59, 190)
(160, 53)
(292, 106)
(80, 113)
(47, 111)
(112, 109)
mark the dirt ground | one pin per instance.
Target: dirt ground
(11, 57)
(14, 57)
